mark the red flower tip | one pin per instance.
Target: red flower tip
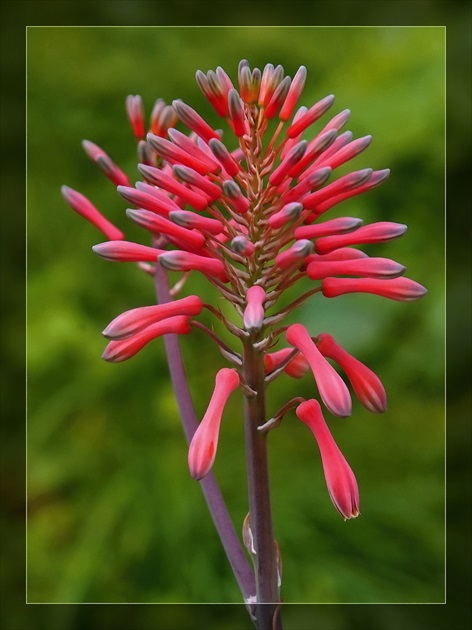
(253, 316)
(174, 154)
(233, 192)
(278, 97)
(193, 120)
(236, 112)
(133, 321)
(400, 289)
(366, 385)
(242, 245)
(333, 391)
(86, 209)
(126, 251)
(202, 450)
(294, 93)
(291, 159)
(135, 111)
(190, 176)
(124, 349)
(155, 202)
(224, 157)
(345, 253)
(157, 177)
(340, 480)
(328, 228)
(310, 116)
(105, 163)
(290, 212)
(294, 254)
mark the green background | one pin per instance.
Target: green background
(113, 513)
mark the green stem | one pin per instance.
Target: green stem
(265, 561)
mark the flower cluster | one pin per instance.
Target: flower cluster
(249, 214)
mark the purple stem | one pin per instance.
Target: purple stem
(216, 505)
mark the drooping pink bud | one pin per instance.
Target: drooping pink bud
(202, 450)
(212, 89)
(233, 192)
(310, 116)
(105, 163)
(290, 212)
(193, 239)
(117, 351)
(373, 233)
(190, 176)
(292, 158)
(224, 157)
(296, 368)
(400, 289)
(133, 321)
(86, 209)
(126, 251)
(294, 93)
(328, 228)
(186, 261)
(343, 184)
(236, 112)
(278, 97)
(294, 254)
(366, 385)
(158, 178)
(254, 314)
(242, 245)
(135, 111)
(367, 267)
(191, 220)
(340, 480)
(333, 390)
(158, 203)
(175, 155)
(194, 121)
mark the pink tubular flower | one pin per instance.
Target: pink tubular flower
(333, 390)
(105, 163)
(126, 251)
(296, 88)
(131, 322)
(123, 349)
(328, 228)
(288, 213)
(152, 202)
(194, 121)
(135, 110)
(400, 289)
(311, 116)
(157, 177)
(190, 220)
(159, 225)
(254, 311)
(295, 254)
(186, 261)
(373, 233)
(344, 253)
(340, 480)
(202, 451)
(369, 267)
(86, 209)
(367, 385)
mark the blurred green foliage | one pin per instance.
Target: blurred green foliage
(113, 513)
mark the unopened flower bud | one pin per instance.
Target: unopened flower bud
(105, 163)
(340, 480)
(135, 110)
(187, 261)
(367, 267)
(242, 245)
(366, 385)
(290, 212)
(292, 158)
(278, 97)
(373, 233)
(400, 289)
(328, 228)
(224, 157)
(294, 93)
(296, 368)
(86, 209)
(253, 317)
(332, 388)
(239, 202)
(236, 112)
(117, 351)
(192, 239)
(133, 321)
(311, 116)
(126, 251)
(202, 450)
(190, 220)
(193, 120)
(294, 254)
